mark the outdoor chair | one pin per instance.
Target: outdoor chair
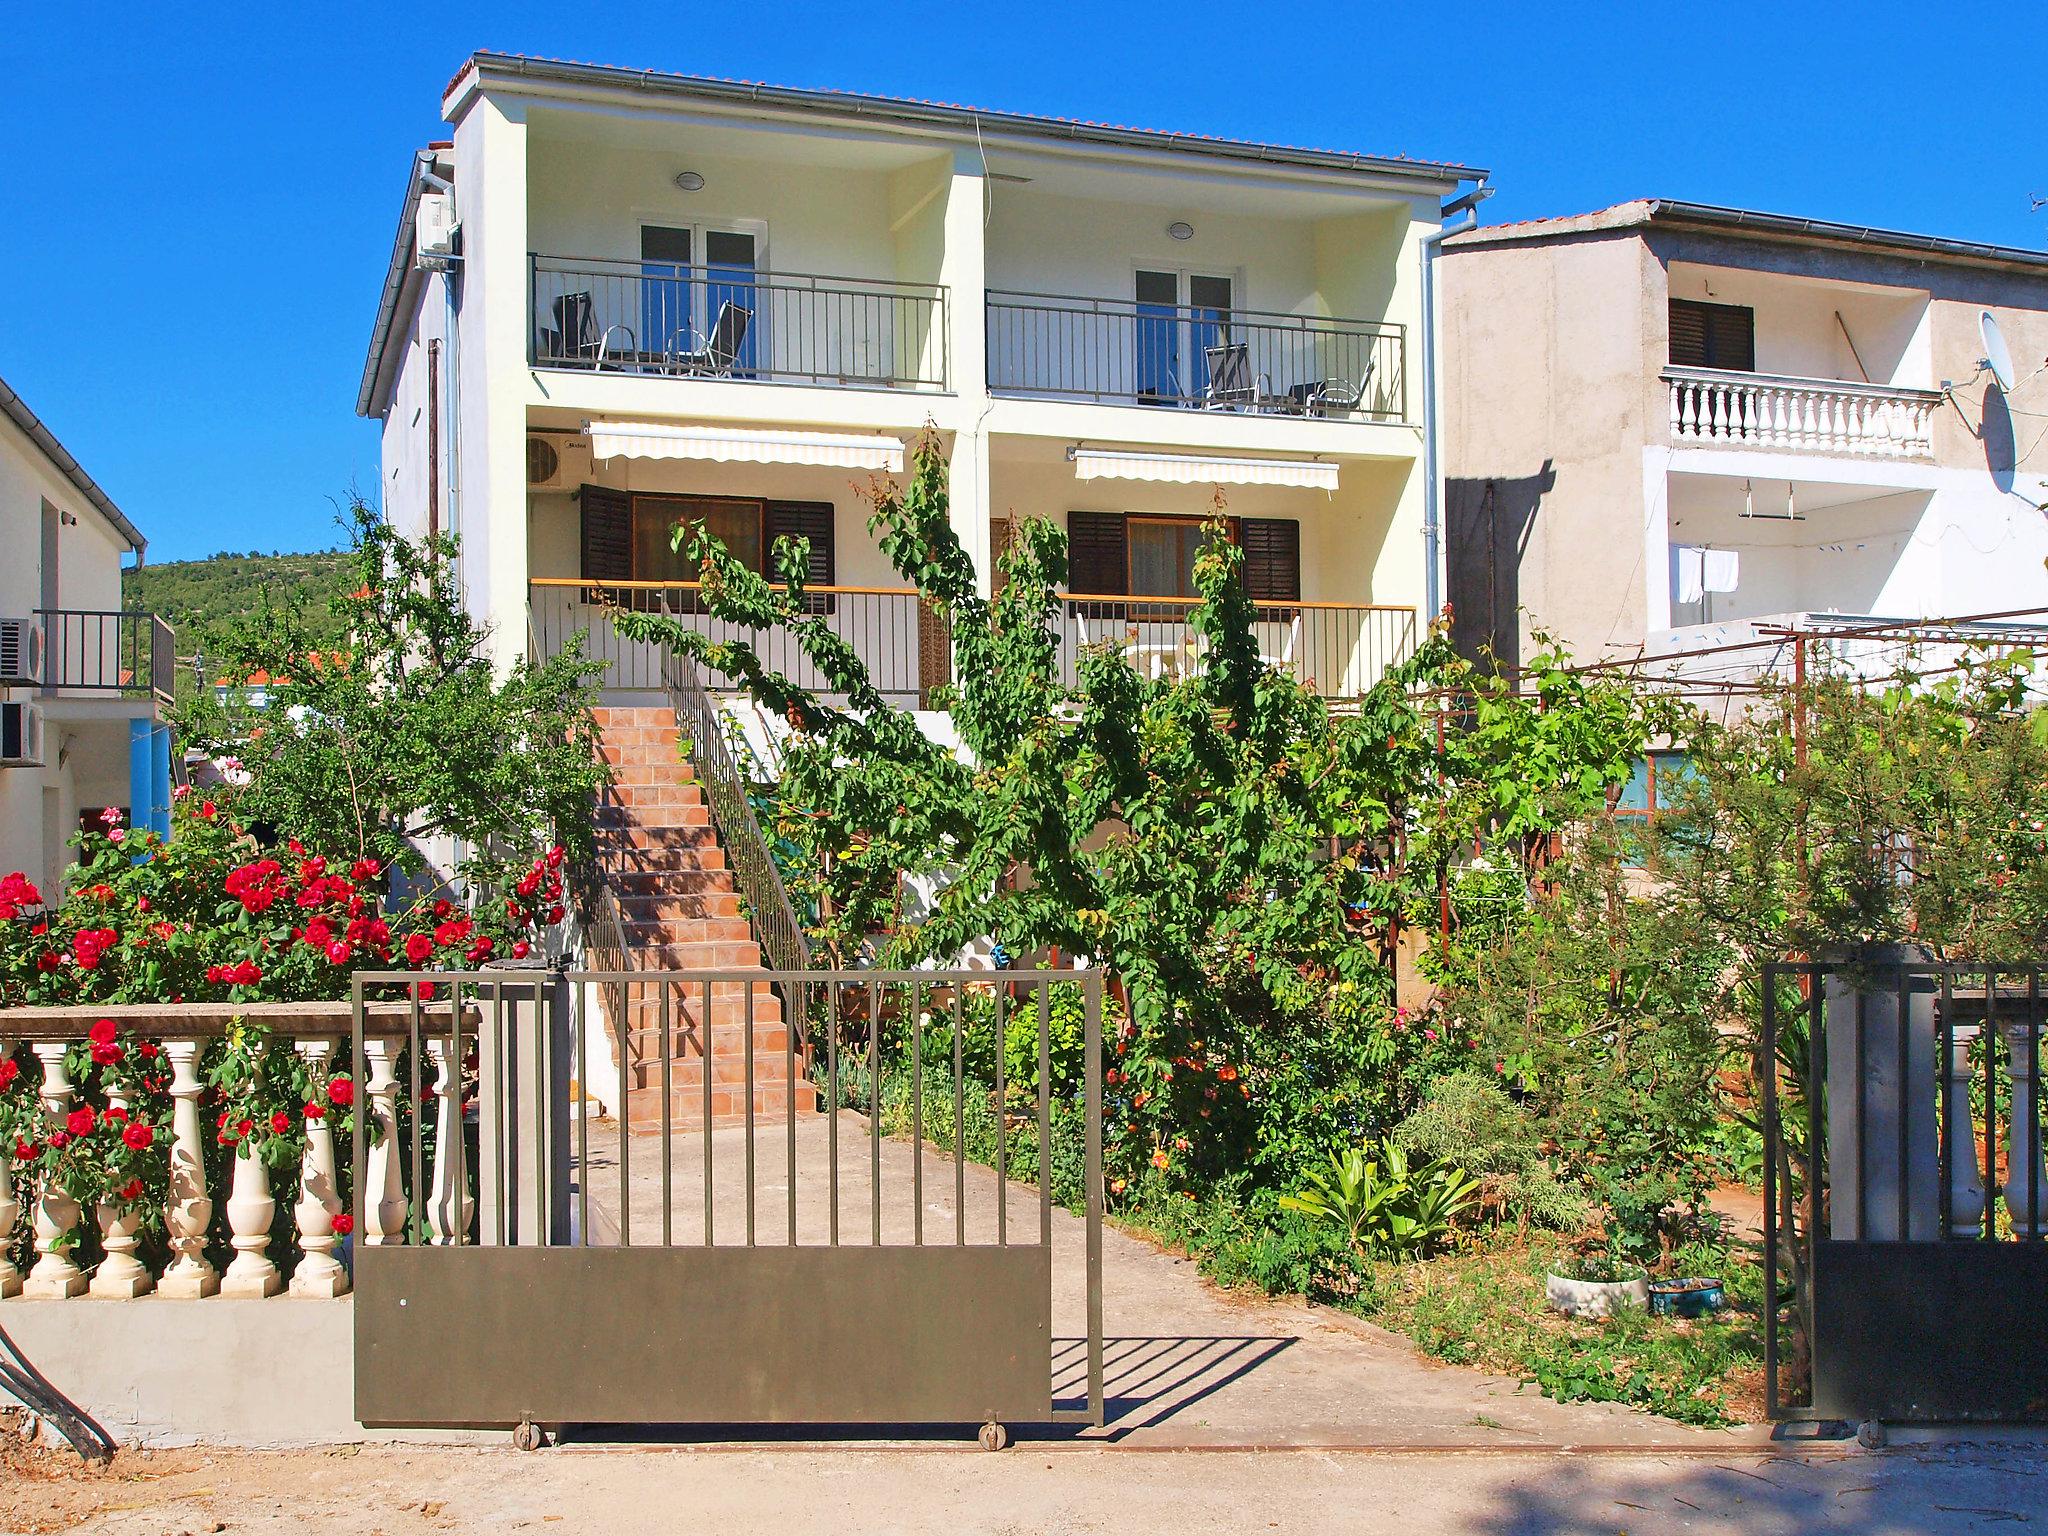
(1232, 385)
(1331, 395)
(714, 355)
(575, 330)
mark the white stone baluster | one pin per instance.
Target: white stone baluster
(449, 1205)
(252, 1272)
(383, 1177)
(1677, 390)
(319, 1272)
(120, 1276)
(189, 1211)
(2024, 1172)
(55, 1276)
(1965, 1179)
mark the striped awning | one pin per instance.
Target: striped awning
(731, 445)
(1200, 469)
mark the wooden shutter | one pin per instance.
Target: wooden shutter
(811, 520)
(1098, 553)
(1713, 335)
(607, 534)
(1272, 558)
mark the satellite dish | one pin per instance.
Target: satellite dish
(1997, 355)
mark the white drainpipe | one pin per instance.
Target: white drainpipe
(1432, 497)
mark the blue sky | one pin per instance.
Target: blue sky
(199, 200)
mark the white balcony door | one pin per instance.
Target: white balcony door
(690, 273)
(1180, 315)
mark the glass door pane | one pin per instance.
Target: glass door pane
(1208, 325)
(664, 289)
(1163, 554)
(729, 271)
(1157, 371)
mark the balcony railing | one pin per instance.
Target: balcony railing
(1816, 415)
(1338, 649)
(112, 652)
(906, 655)
(727, 323)
(1121, 352)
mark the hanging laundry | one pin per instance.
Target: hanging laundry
(1720, 569)
(1688, 573)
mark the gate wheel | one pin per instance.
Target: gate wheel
(529, 1436)
(993, 1436)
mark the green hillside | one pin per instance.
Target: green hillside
(199, 598)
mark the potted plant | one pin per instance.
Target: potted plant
(1602, 1283)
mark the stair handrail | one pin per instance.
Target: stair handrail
(727, 790)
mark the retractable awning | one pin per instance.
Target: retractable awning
(730, 445)
(1200, 469)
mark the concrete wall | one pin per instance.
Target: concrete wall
(406, 432)
(1547, 403)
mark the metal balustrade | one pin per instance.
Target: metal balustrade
(1119, 351)
(119, 651)
(656, 318)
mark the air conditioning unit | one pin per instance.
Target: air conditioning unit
(434, 226)
(556, 463)
(21, 736)
(21, 652)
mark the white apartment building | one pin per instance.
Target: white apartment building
(618, 299)
(1678, 429)
(83, 683)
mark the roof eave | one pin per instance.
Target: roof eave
(16, 410)
(484, 71)
(397, 272)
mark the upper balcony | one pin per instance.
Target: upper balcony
(1782, 361)
(1210, 356)
(102, 659)
(732, 321)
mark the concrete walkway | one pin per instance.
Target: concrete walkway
(1185, 1364)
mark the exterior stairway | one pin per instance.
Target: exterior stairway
(659, 852)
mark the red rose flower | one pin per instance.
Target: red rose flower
(101, 1033)
(48, 960)
(314, 1111)
(207, 810)
(59, 1140)
(418, 948)
(344, 1224)
(114, 1114)
(81, 1121)
(132, 1190)
(554, 914)
(280, 1122)
(137, 1137)
(341, 1092)
(365, 869)
(244, 1127)
(26, 1151)
(9, 1071)
(521, 949)
(338, 953)
(108, 1055)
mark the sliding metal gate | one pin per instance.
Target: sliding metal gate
(728, 1197)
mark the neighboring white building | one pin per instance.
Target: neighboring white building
(618, 298)
(82, 682)
(1670, 427)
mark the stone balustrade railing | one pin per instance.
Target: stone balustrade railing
(203, 1223)
(1818, 415)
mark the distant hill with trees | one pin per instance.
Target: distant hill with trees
(199, 598)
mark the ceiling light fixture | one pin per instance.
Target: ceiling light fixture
(1180, 230)
(689, 181)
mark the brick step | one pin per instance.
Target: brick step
(643, 917)
(728, 1105)
(728, 1036)
(613, 838)
(661, 818)
(684, 906)
(687, 1072)
(645, 756)
(654, 790)
(669, 884)
(654, 949)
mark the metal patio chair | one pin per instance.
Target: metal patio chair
(574, 336)
(720, 351)
(1329, 395)
(1232, 385)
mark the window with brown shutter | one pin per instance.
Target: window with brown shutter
(607, 533)
(1713, 336)
(1098, 559)
(1272, 558)
(807, 520)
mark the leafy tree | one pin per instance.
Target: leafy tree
(400, 730)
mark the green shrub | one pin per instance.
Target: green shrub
(1471, 1118)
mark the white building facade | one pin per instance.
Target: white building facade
(83, 683)
(670, 299)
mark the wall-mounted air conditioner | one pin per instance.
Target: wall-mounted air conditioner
(556, 463)
(434, 225)
(21, 736)
(21, 653)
